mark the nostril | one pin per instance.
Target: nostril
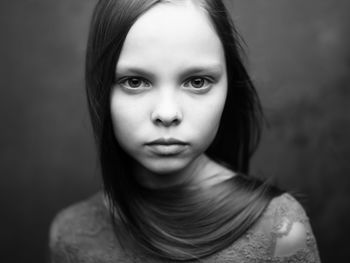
(167, 121)
(166, 115)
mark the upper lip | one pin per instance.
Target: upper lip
(166, 141)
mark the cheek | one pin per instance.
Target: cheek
(126, 117)
(208, 122)
(206, 118)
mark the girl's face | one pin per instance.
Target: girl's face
(171, 86)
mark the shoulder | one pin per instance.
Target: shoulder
(291, 232)
(78, 228)
(76, 218)
(282, 234)
(283, 209)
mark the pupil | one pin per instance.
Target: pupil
(197, 83)
(134, 82)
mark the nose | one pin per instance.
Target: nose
(167, 111)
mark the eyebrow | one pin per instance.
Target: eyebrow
(215, 69)
(211, 69)
(134, 70)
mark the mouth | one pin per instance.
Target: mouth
(167, 146)
(166, 141)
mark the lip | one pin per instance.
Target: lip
(166, 146)
(166, 141)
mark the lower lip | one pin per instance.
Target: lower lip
(167, 150)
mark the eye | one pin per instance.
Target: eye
(198, 83)
(134, 83)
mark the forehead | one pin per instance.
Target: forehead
(169, 31)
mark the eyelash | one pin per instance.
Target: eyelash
(207, 81)
(122, 82)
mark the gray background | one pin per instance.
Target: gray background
(297, 52)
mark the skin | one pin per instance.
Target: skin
(171, 82)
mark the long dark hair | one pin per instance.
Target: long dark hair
(182, 222)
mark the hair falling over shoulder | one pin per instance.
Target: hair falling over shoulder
(187, 223)
(183, 222)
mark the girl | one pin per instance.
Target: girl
(176, 119)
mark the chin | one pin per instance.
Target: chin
(165, 165)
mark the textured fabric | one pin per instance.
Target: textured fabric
(83, 233)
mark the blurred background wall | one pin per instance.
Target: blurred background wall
(297, 52)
